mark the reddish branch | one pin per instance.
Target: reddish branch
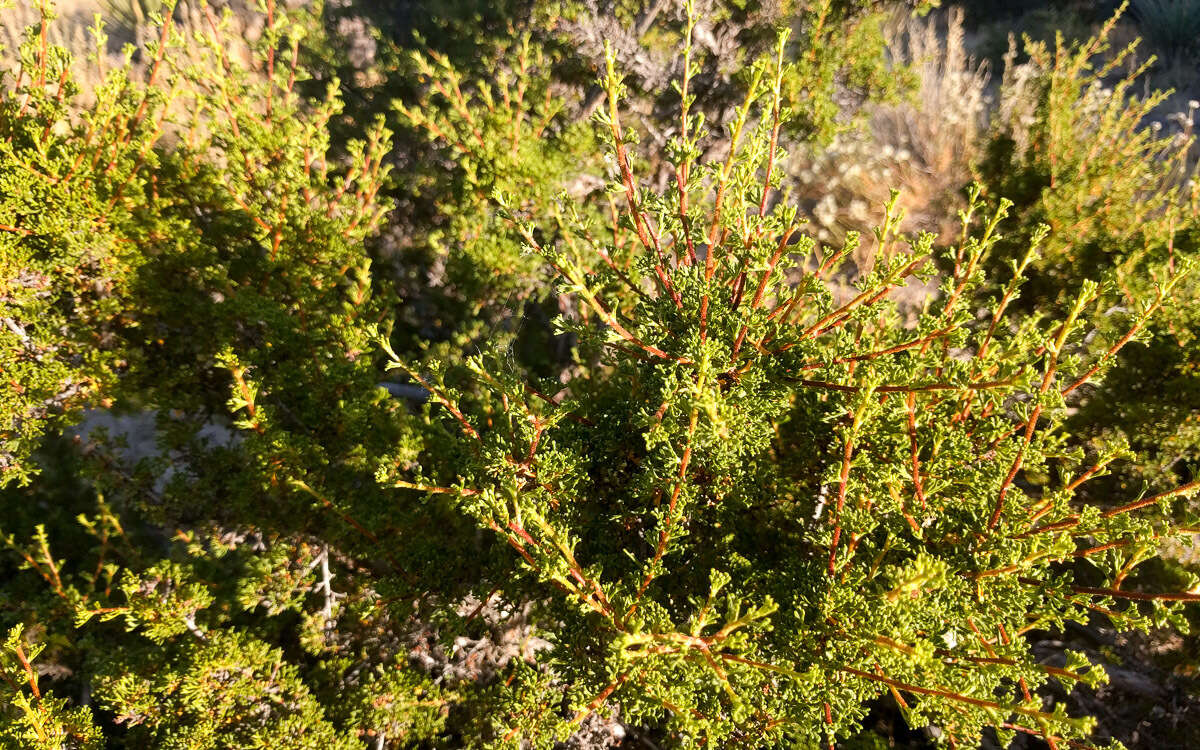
(1133, 330)
(442, 399)
(918, 485)
(597, 305)
(875, 354)
(762, 288)
(664, 535)
(1031, 424)
(869, 297)
(936, 692)
(30, 673)
(648, 239)
(918, 388)
(843, 480)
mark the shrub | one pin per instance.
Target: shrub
(63, 261)
(1075, 148)
(741, 513)
(821, 506)
(188, 244)
(515, 129)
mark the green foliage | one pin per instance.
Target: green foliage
(1068, 149)
(841, 46)
(226, 691)
(33, 719)
(395, 702)
(512, 135)
(820, 505)
(63, 261)
(1074, 149)
(187, 672)
(723, 496)
(505, 127)
(190, 244)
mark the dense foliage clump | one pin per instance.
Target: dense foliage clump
(569, 425)
(1079, 150)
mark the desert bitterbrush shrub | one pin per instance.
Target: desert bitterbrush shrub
(62, 257)
(187, 245)
(744, 507)
(1077, 148)
(150, 234)
(759, 508)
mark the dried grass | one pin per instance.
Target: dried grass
(126, 24)
(923, 145)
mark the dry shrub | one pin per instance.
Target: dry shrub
(923, 145)
(127, 25)
(70, 30)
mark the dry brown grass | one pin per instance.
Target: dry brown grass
(923, 145)
(127, 25)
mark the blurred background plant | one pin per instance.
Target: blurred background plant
(130, 14)
(1078, 146)
(1170, 27)
(921, 143)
